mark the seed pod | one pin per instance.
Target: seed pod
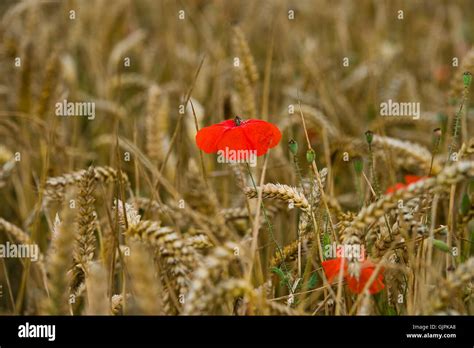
(293, 145)
(369, 135)
(310, 155)
(467, 78)
(439, 244)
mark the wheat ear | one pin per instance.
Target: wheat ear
(281, 192)
(157, 110)
(450, 175)
(97, 299)
(177, 257)
(408, 152)
(56, 187)
(86, 223)
(145, 285)
(453, 284)
(214, 269)
(241, 47)
(24, 238)
(58, 265)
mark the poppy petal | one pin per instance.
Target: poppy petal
(332, 268)
(354, 284)
(269, 128)
(377, 285)
(255, 135)
(263, 135)
(234, 142)
(208, 137)
(358, 285)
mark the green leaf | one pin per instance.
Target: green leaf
(471, 238)
(281, 275)
(391, 311)
(278, 272)
(465, 204)
(312, 281)
(439, 244)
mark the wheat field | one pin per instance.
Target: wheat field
(108, 206)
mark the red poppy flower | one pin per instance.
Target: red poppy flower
(409, 179)
(356, 285)
(252, 136)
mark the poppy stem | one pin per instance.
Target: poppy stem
(457, 123)
(201, 159)
(451, 149)
(314, 167)
(369, 135)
